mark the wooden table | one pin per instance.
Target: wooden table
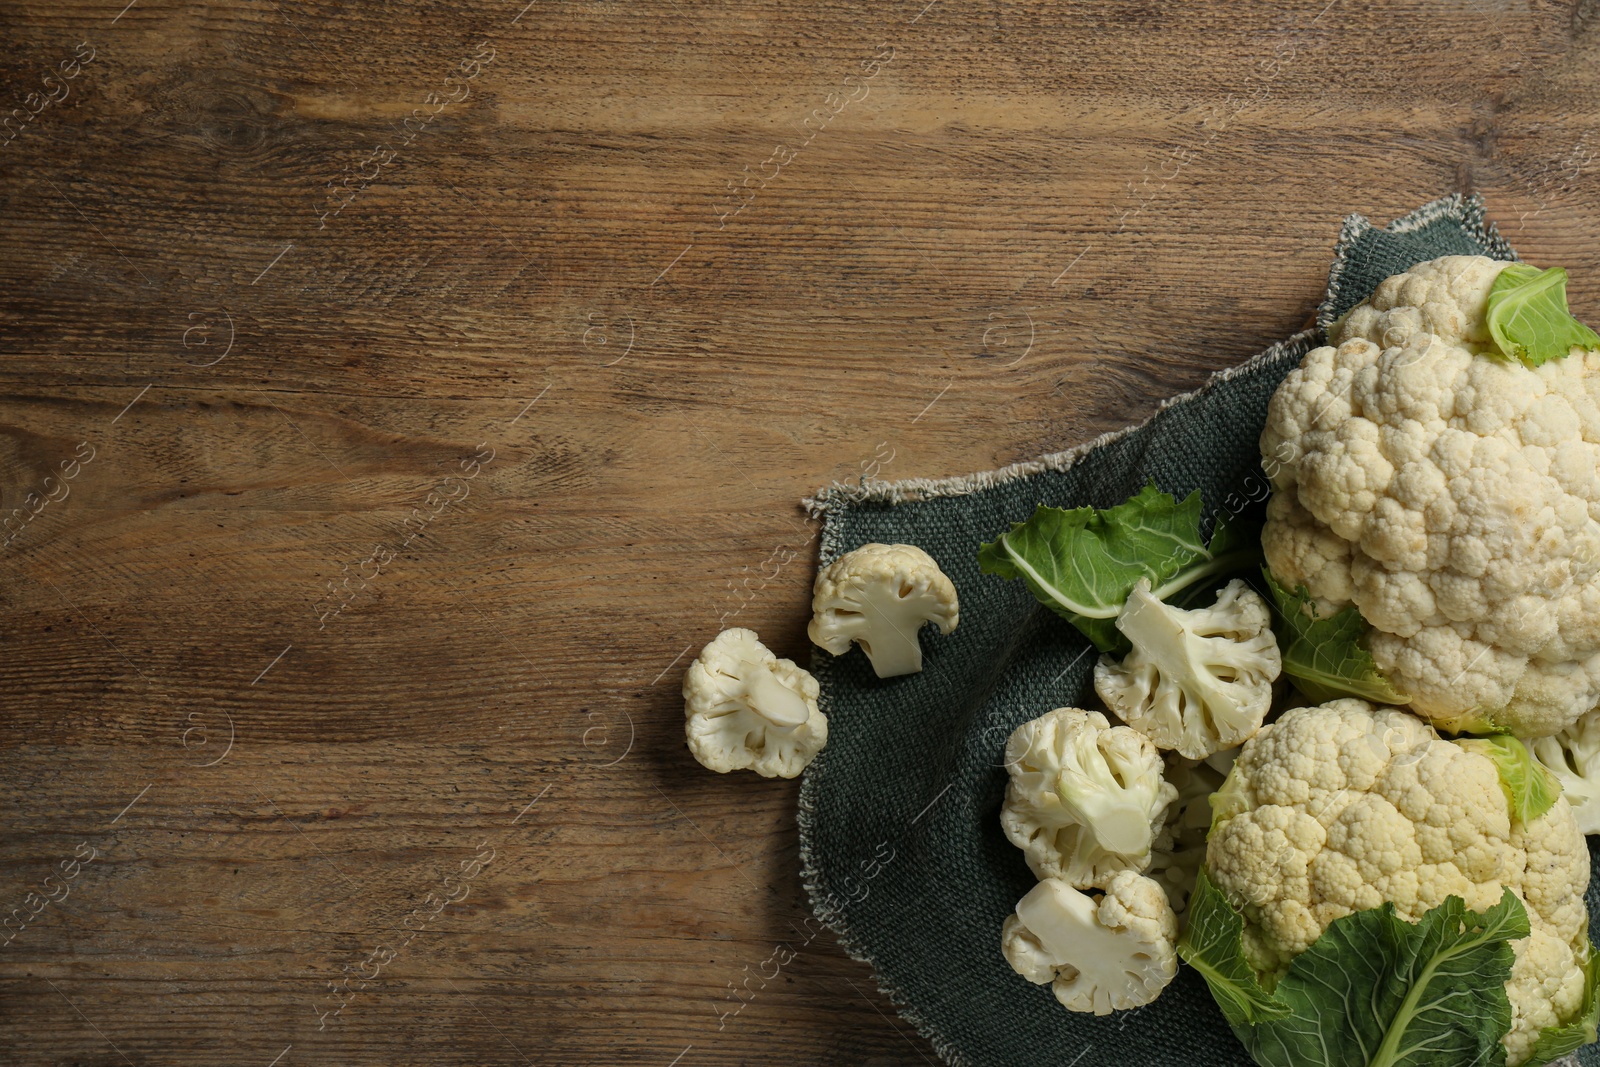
(397, 397)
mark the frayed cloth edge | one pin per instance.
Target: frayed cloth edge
(917, 489)
(833, 918)
(1469, 211)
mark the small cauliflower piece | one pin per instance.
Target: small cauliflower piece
(1102, 956)
(1196, 682)
(1086, 799)
(879, 596)
(1573, 756)
(746, 708)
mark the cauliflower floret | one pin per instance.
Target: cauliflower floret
(1101, 957)
(1545, 990)
(1452, 496)
(1546, 986)
(1301, 550)
(1556, 875)
(1573, 756)
(745, 707)
(1196, 681)
(1343, 807)
(1086, 799)
(879, 596)
(1180, 847)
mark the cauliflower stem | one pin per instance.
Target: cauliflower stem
(746, 708)
(879, 596)
(1094, 789)
(1086, 799)
(1197, 681)
(1100, 955)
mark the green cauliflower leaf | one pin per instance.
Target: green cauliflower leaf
(1327, 656)
(1213, 944)
(1528, 317)
(1083, 562)
(1373, 990)
(1530, 789)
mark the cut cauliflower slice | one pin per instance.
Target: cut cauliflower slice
(1196, 681)
(879, 596)
(1452, 496)
(1573, 756)
(746, 708)
(1102, 956)
(1086, 799)
(1343, 807)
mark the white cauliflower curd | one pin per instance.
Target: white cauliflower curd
(1452, 495)
(879, 597)
(746, 708)
(1340, 808)
(1086, 799)
(1099, 956)
(1196, 681)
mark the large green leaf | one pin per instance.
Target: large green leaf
(1213, 944)
(1530, 789)
(1556, 1041)
(1528, 317)
(1327, 656)
(1377, 991)
(1082, 563)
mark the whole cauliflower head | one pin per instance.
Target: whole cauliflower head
(1099, 956)
(1086, 799)
(879, 596)
(1339, 808)
(746, 708)
(1452, 496)
(1196, 681)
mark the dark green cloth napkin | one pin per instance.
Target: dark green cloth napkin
(901, 845)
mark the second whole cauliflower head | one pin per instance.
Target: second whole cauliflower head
(1450, 494)
(1343, 807)
(746, 708)
(1086, 799)
(1099, 956)
(879, 596)
(1196, 682)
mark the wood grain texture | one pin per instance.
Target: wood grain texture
(1028, 226)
